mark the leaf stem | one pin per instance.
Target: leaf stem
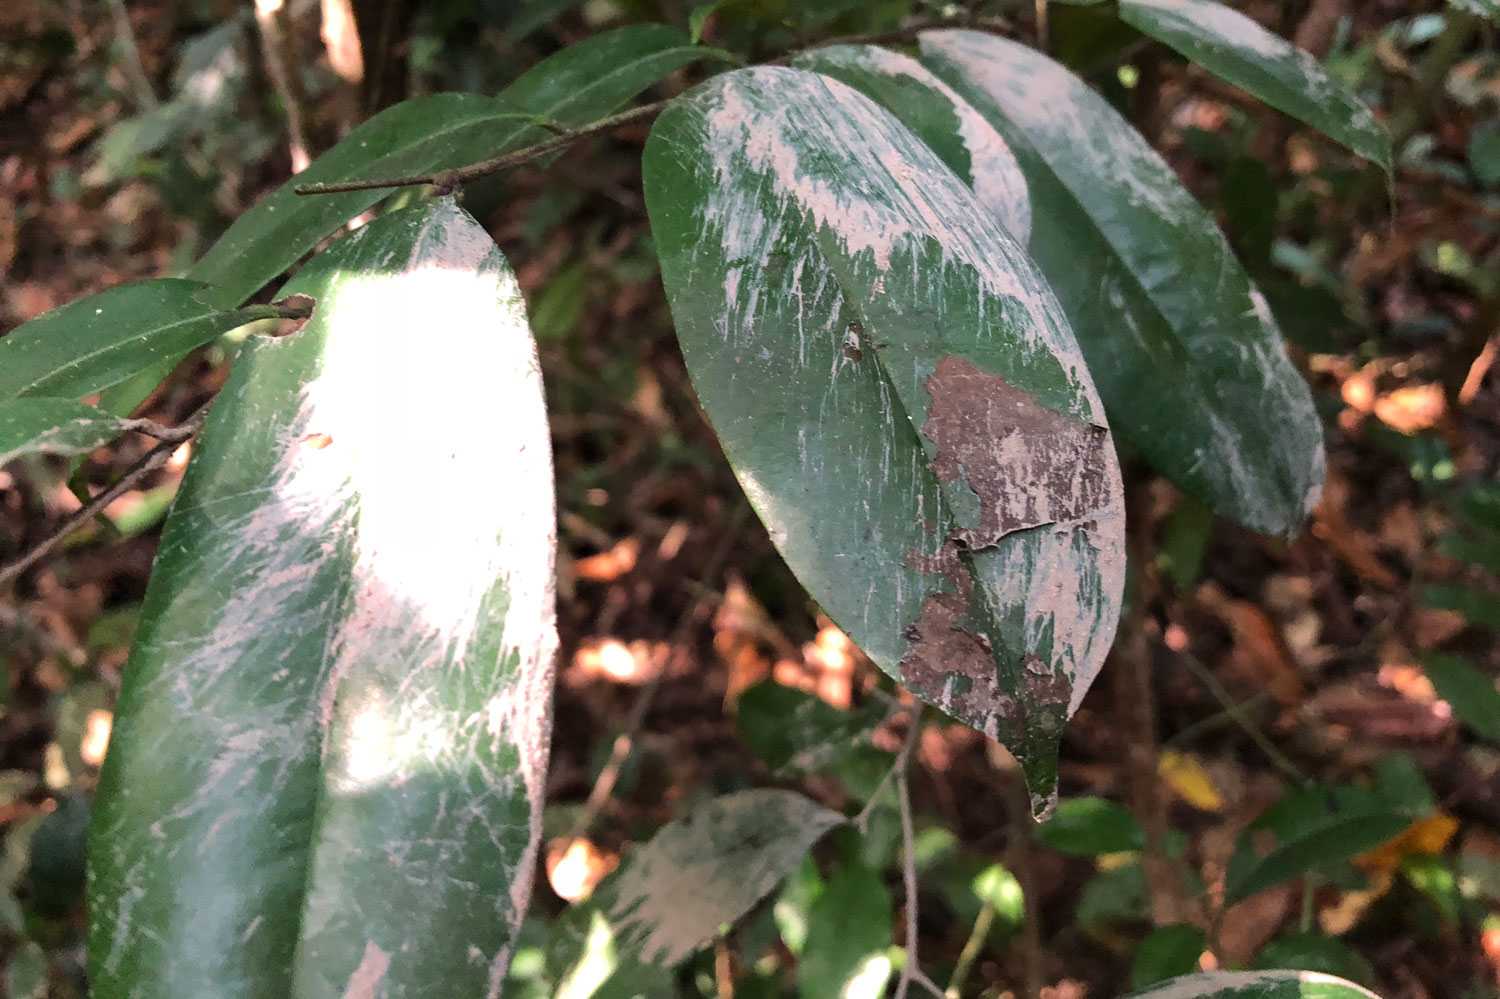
(448, 181)
(970, 953)
(898, 767)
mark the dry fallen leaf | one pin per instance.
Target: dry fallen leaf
(1412, 409)
(1190, 781)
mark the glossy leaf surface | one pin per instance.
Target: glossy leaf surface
(709, 868)
(898, 393)
(1236, 48)
(55, 426)
(1256, 985)
(580, 84)
(327, 762)
(1185, 352)
(946, 122)
(99, 341)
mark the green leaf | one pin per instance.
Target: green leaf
(797, 733)
(1313, 951)
(1090, 827)
(1237, 49)
(55, 426)
(1256, 985)
(1471, 694)
(1185, 351)
(59, 850)
(926, 448)
(1166, 952)
(998, 888)
(99, 341)
(848, 934)
(1480, 607)
(1114, 896)
(1314, 828)
(698, 19)
(578, 85)
(707, 869)
(1484, 153)
(328, 753)
(946, 122)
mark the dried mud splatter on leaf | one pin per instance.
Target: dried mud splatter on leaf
(1027, 464)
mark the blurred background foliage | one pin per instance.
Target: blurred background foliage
(1326, 739)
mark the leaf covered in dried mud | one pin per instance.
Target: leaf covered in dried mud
(327, 764)
(1183, 347)
(898, 392)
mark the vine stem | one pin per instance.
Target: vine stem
(171, 439)
(447, 181)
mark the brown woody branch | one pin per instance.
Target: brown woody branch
(447, 181)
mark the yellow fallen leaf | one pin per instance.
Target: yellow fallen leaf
(1424, 836)
(1190, 781)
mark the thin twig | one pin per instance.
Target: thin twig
(1236, 710)
(910, 972)
(1022, 832)
(898, 767)
(447, 181)
(144, 466)
(134, 68)
(18, 622)
(908, 881)
(269, 17)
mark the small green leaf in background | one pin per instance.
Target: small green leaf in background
(671, 894)
(1112, 898)
(59, 850)
(1313, 951)
(99, 341)
(903, 358)
(698, 20)
(1185, 351)
(794, 902)
(1314, 827)
(1232, 46)
(329, 748)
(944, 121)
(1484, 153)
(55, 426)
(1255, 985)
(998, 888)
(1168, 951)
(1251, 204)
(26, 973)
(796, 733)
(1480, 607)
(848, 934)
(1091, 827)
(1471, 694)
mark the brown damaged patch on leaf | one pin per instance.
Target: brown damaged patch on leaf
(947, 665)
(1027, 464)
(956, 669)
